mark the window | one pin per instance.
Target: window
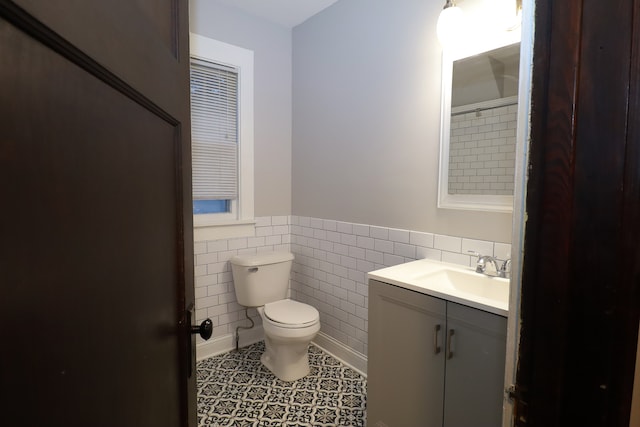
(214, 137)
(222, 138)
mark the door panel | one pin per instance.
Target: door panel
(94, 271)
(144, 42)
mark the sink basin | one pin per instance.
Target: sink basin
(493, 288)
(450, 282)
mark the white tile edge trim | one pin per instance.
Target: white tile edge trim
(353, 359)
(227, 343)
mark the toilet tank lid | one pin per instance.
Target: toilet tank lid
(262, 258)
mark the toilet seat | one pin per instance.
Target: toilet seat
(287, 313)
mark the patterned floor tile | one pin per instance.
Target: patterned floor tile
(234, 389)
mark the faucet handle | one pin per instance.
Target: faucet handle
(480, 263)
(505, 271)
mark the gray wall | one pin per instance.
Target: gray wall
(363, 159)
(366, 120)
(272, 73)
(366, 115)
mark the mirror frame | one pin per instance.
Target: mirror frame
(475, 202)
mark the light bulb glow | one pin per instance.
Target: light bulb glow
(450, 26)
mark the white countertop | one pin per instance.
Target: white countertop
(451, 282)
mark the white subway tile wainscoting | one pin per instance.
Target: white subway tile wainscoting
(332, 259)
(214, 292)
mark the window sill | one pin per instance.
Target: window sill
(203, 231)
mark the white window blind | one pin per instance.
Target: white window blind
(214, 131)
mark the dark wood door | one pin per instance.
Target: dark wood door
(581, 275)
(95, 223)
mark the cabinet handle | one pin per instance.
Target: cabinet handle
(436, 347)
(449, 340)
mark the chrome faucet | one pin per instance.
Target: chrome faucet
(505, 270)
(485, 260)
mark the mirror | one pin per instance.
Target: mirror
(478, 129)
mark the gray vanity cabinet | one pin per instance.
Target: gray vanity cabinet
(432, 363)
(405, 372)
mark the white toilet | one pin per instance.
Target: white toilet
(262, 281)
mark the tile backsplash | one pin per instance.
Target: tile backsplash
(332, 259)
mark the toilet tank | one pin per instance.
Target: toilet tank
(262, 278)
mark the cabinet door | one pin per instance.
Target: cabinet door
(473, 392)
(405, 371)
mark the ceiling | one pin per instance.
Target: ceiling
(287, 13)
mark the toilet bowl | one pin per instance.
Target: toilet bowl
(287, 340)
(262, 281)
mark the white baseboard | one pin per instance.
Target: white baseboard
(226, 343)
(348, 356)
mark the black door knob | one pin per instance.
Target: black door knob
(205, 329)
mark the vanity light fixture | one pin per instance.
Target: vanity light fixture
(449, 27)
